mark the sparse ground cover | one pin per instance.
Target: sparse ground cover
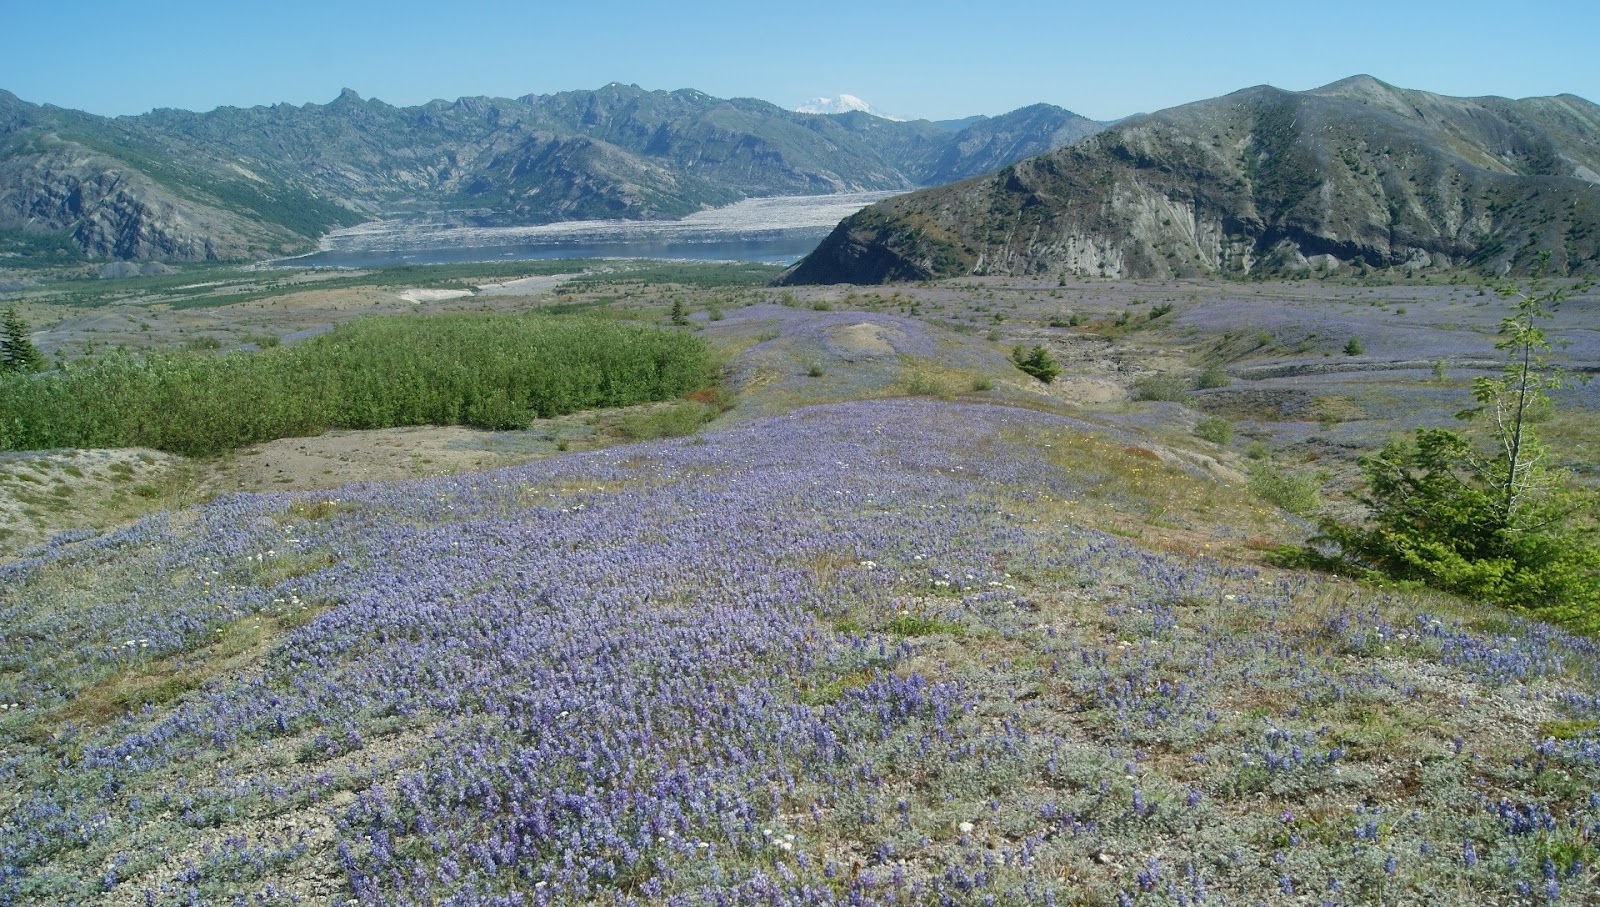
(201, 285)
(958, 637)
(45, 492)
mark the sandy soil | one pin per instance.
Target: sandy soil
(866, 338)
(1079, 389)
(433, 295)
(730, 221)
(526, 286)
(340, 457)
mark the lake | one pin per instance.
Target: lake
(779, 230)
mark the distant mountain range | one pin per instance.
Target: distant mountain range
(1348, 177)
(240, 183)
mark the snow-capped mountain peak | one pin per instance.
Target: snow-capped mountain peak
(844, 103)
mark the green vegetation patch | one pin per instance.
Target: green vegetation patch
(673, 421)
(1169, 388)
(919, 625)
(710, 274)
(26, 248)
(486, 371)
(1568, 728)
(1298, 492)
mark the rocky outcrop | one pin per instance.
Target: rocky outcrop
(1355, 176)
(880, 245)
(112, 211)
(575, 178)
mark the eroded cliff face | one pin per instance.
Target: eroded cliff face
(113, 212)
(1266, 181)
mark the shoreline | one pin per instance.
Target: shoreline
(775, 220)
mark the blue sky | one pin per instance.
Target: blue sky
(929, 59)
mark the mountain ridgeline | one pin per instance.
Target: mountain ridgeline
(256, 182)
(1353, 176)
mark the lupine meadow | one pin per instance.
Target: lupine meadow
(901, 628)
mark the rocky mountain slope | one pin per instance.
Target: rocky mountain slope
(989, 143)
(115, 190)
(264, 181)
(1351, 176)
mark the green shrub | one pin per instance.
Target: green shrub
(1212, 376)
(1434, 519)
(1161, 387)
(1037, 362)
(922, 384)
(1215, 429)
(1354, 347)
(1294, 491)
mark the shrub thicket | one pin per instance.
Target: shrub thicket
(486, 371)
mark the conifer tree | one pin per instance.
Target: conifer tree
(1484, 512)
(17, 352)
(1037, 362)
